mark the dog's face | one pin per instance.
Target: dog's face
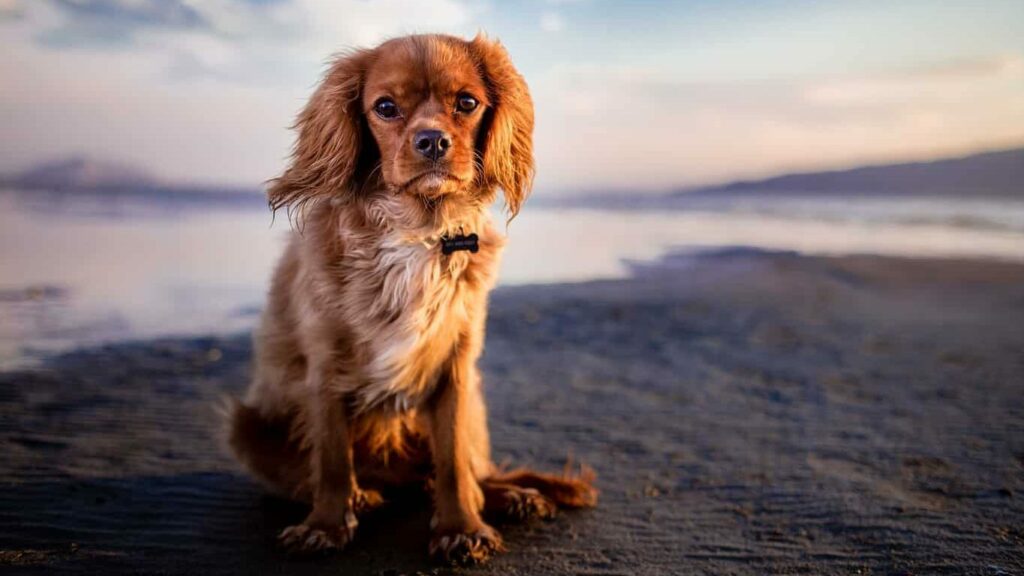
(431, 116)
(424, 103)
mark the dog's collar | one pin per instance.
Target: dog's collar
(451, 244)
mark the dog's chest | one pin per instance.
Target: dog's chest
(422, 300)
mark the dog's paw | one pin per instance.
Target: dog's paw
(308, 540)
(364, 501)
(465, 546)
(527, 503)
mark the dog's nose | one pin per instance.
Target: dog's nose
(431, 143)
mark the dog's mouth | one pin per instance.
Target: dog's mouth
(433, 182)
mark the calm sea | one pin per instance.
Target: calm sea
(77, 271)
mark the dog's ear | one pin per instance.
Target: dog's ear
(506, 140)
(330, 129)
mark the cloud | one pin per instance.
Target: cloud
(551, 22)
(945, 81)
(106, 22)
(162, 13)
(206, 97)
(618, 126)
(235, 39)
(205, 90)
(11, 9)
(258, 42)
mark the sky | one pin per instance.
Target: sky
(630, 96)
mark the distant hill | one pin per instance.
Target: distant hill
(80, 176)
(990, 174)
(80, 172)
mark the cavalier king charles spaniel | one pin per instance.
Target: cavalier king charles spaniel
(365, 374)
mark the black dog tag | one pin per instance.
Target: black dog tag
(456, 243)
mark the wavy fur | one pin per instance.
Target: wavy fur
(365, 372)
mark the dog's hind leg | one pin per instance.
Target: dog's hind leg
(267, 448)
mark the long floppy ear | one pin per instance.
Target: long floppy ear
(507, 139)
(330, 132)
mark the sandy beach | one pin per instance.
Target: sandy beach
(746, 413)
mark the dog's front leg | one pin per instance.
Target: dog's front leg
(324, 428)
(460, 535)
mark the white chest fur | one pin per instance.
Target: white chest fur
(416, 304)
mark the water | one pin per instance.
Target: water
(84, 271)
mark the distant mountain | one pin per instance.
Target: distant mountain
(80, 172)
(80, 176)
(990, 174)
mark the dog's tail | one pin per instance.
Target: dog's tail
(267, 448)
(568, 490)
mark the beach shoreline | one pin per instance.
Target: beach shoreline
(747, 412)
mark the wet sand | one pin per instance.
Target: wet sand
(747, 413)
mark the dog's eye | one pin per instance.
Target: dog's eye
(386, 109)
(466, 103)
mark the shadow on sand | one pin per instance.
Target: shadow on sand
(204, 523)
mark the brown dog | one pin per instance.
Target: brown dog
(365, 371)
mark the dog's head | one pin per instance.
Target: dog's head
(431, 116)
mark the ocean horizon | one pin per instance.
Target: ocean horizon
(83, 271)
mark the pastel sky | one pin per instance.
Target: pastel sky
(642, 96)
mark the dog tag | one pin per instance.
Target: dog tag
(456, 243)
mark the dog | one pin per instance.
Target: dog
(365, 373)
